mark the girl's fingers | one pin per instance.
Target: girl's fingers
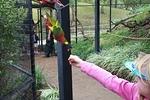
(72, 61)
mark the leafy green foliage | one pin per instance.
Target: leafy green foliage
(10, 39)
(83, 48)
(111, 40)
(86, 1)
(11, 18)
(116, 50)
(40, 79)
(134, 4)
(10, 80)
(146, 47)
(141, 17)
(49, 94)
(144, 8)
(131, 3)
(113, 59)
(116, 46)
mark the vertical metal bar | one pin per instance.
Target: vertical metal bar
(38, 15)
(110, 14)
(97, 26)
(32, 49)
(64, 68)
(76, 27)
(116, 2)
(140, 2)
(41, 28)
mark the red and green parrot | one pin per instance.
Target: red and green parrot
(57, 30)
(49, 2)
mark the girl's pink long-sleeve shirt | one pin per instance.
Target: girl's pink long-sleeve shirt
(124, 88)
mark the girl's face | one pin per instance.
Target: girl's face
(144, 88)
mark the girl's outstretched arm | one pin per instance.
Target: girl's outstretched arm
(120, 86)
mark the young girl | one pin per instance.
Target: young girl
(124, 88)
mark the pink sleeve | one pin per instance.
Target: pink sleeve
(120, 86)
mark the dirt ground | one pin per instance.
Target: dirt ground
(84, 87)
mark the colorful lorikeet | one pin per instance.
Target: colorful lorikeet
(57, 30)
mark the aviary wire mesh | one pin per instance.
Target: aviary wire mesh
(15, 71)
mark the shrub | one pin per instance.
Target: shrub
(10, 80)
(113, 59)
(83, 48)
(49, 94)
(10, 19)
(40, 79)
(109, 40)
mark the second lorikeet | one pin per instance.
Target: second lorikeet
(58, 33)
(56, 28)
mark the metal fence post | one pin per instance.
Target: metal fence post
(76, 26)
(32, 49)
(116, 1)
(64, 68)
(38, 26)
(110, 14)
(97, 25)
(41, 28)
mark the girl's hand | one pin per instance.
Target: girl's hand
(75, 60)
